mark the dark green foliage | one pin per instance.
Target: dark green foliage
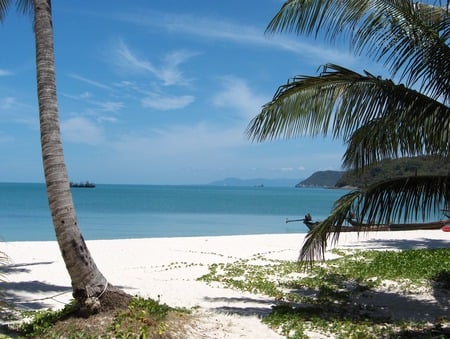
(387, 169)
(143, 318)
(404, 115)
(321, 179)
(43, 321)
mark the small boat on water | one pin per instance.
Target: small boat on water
(86, 184)
(359, 227)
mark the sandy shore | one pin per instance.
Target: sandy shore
(168, 268)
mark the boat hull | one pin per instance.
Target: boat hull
(391, 227)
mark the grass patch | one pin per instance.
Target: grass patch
(143, 318)
(326, 300)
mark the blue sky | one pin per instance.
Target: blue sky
(160, 92)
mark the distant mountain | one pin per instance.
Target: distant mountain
(321, 179)
(255, 182)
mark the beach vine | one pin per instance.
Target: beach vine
(337, 297)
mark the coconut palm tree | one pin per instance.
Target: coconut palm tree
(90, 287)
(377, 118)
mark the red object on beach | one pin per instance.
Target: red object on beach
(446, 228)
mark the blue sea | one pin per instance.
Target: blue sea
(145, 211)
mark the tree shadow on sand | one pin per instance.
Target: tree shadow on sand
(244, 306)
(21, 268)
(336, 298)
(29, 294)
(400, 244)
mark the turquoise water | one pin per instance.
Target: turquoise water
(134, 211)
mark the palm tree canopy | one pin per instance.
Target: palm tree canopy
(406, 198)
(24, 6)
(377, 118)
(409, 38)
(347, 104)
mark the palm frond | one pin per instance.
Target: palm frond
(405, 198)
(310, 17)
(306, 104)
(410, 38)
(418, 197)
(342, 102)
(4, 260)
(328, 230)
(407, 37)
(23, 6)
(4, 5)
(415, 126)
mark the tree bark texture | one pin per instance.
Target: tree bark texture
(87, 280)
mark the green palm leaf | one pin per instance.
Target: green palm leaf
(394, 200)
(376, 116)
(23, 6)
(328, 230)
(409, 38)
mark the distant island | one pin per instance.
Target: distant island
(350, 179)
(326, 179)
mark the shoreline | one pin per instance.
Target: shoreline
(168, 269)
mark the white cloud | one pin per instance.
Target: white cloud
(4, 72)
(168, 72)
(236, 94)
(7, 103)
(15, 111)
(90, 81)
(292, 169)
(81, 130)
(219, 29)
(165, 103)
(99, 106)
(109, 106)
(107, 119)
(181, 142)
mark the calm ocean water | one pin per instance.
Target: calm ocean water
(141, 211)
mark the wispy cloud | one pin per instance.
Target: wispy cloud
(181, 141)
(14, 111)
(81, 130)
(90, 81)
(4, 72)
(168, 71)
(7, 103)
(165, 103)
(96, 105)
(217, 28)
(238, 96)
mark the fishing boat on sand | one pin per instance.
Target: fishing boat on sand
(360, 227)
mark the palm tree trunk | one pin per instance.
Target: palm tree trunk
(87, 281)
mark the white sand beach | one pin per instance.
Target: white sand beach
(168, 268)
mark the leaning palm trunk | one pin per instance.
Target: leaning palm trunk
(88, 283)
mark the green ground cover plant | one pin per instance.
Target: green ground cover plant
(324, 298)
(143, 318)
